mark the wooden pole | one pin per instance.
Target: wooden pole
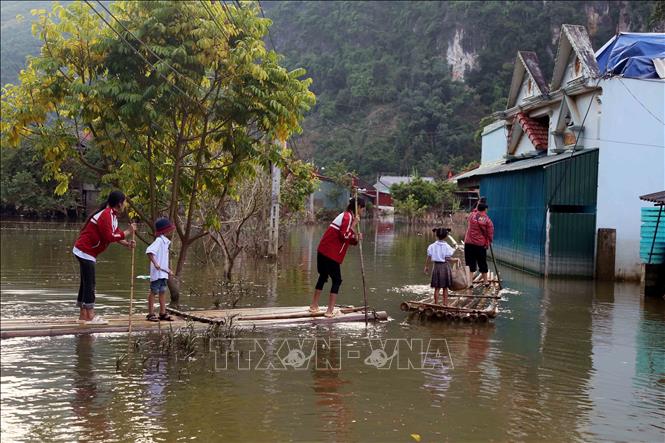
(498, 277)
(131, 295)
(273, 228)
(273, 234)
(362, 261)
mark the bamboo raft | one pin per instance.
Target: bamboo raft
(258, 317)
(242, 317)
(475, 304)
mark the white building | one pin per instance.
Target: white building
(587, 146)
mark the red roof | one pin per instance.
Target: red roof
(535, 130)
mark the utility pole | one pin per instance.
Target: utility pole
(273, 228)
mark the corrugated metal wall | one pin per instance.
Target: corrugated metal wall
(572, 242)
(571, 187)
(517, 208)
(652, 243)
(518, 204)
(577, 180)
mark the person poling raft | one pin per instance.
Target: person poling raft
(331, 252)
(479, 237)
(97, 233)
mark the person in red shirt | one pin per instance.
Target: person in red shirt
(479, 235)
(98, 232)
(331, 252)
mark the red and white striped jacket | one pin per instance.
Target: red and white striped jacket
(99, 233)
(334, 242)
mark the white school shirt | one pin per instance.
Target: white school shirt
(77, 252)
(440, 251)
(160, 249)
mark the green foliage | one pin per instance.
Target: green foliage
(426, 195)
(22, 189)
(186, 127)
(386, 101)
(299, 184)
(410, 207)
(340, 174)
(657, 18)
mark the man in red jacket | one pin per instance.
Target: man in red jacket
(479, 235)
(331, 252)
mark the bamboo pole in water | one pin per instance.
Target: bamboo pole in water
(362, 261)
(298, 314)
(131, 294)
(496, 268)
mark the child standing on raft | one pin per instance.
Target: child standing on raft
(158, 253)
(440, 253)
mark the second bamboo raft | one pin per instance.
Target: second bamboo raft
(479, 303)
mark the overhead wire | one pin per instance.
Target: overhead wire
(274, 48)
(141, 42)
(227, 12)
(147, 47)
(168, 81)
(577, 139)
(566, 167)
(640, 102)
(212, 16)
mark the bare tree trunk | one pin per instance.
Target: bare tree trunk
(174, 286)
(174, 290)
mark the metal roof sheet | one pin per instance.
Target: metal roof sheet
(541, 161)
(656, 197)
(386, 181)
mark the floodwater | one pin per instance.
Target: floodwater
(566, 360)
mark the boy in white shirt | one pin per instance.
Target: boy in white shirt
(440, 253)
(158, 253)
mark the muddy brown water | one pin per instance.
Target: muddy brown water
(566, 360)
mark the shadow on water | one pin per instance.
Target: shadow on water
(566, 360)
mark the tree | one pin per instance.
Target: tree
(418, 195)
(181, 99)
(22, 189)
(410, 207)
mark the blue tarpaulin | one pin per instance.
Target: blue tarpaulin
(631, 55)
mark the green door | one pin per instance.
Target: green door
(571, 244)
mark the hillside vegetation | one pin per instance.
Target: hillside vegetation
(401, 87)
(390, 94)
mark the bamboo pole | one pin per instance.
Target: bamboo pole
(362, 261)
(306, 314)
(131, 294)
(498, 277)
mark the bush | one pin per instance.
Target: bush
(423, 195)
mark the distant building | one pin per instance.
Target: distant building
(331, 195)
(383, 184)
(569, 158)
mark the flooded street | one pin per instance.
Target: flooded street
(565, 360)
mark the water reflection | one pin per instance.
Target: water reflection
(332, 396)
(566, 360)
(87, 404)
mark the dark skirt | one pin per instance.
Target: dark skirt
(442, 277)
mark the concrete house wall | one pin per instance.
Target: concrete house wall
(493, 142)
(624, 123)
(631, 163)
